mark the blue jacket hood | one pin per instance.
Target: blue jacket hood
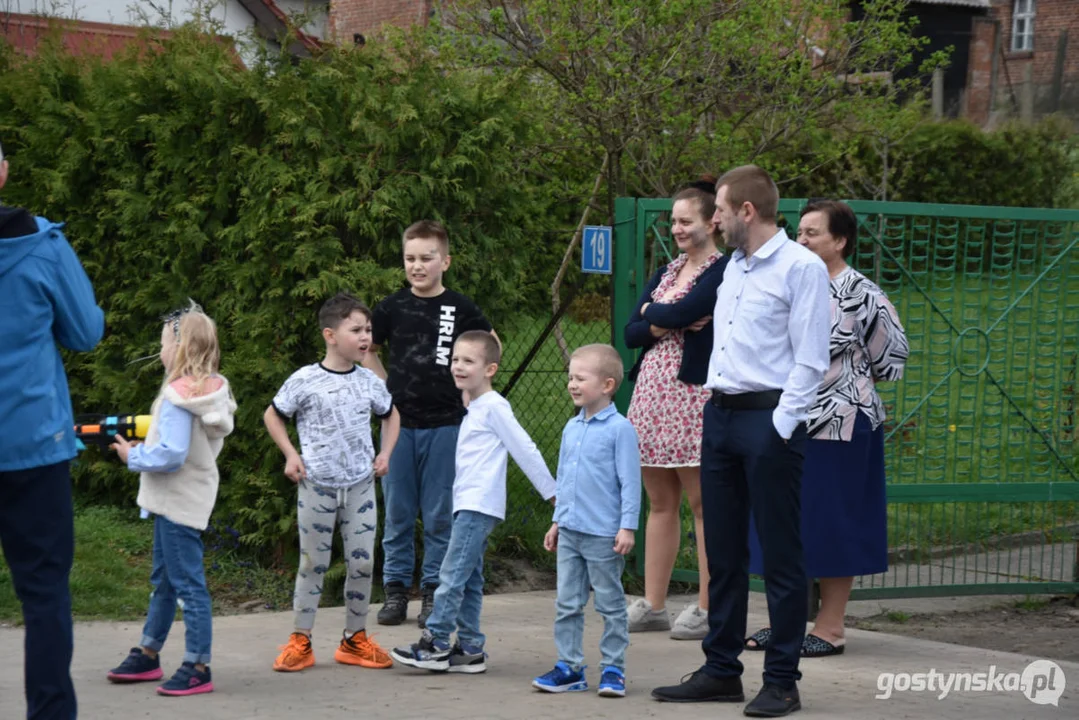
(46, 301)
(14, 249)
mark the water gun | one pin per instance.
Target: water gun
(101, 430)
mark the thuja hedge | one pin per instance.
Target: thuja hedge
(259, 192)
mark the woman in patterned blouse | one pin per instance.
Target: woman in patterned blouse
(844, 516)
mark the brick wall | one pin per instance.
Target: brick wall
(994, 95)
(980, 70)
(366, 17)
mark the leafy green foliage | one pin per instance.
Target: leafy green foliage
(956, 162)
(666, 89)
(1026, 166)
(260, 192)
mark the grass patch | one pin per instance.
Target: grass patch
(1032, 603)
(897, 616)
(110, 577)
(543, 407)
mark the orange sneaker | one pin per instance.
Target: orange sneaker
(295, 655)
(362, 650)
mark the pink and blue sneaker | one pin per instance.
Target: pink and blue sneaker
(137, 667)
(187, 681)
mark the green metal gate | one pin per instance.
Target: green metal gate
(983, 481)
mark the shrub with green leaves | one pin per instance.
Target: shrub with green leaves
(1018, 165)
(259, 193)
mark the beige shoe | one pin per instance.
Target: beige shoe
(642, 618)
(691, 624)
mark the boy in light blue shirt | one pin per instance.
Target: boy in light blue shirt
(598, 502)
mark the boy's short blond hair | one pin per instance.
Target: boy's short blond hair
(608, 361)
(492, 353)
(428, 230)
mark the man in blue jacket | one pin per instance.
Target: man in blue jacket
(45, 299)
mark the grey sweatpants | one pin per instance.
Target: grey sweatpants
(318, 511)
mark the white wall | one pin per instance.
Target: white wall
(233, 17)
(318, 10)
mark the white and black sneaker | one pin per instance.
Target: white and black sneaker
(427, 654)
(466, 659)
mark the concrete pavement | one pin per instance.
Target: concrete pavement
(520, 646)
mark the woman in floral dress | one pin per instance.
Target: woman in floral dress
(672, 324)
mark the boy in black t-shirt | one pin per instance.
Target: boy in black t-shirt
(420, 324)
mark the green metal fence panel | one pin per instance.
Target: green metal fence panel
(980, 440)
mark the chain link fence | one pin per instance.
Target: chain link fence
(536, 350)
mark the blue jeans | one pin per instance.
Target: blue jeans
(459, 597)
(177, 573)
(420, 482)
(583, 561)
(37, 532)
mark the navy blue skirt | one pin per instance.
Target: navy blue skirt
(844, 508)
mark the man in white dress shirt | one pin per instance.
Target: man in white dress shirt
(770, 352)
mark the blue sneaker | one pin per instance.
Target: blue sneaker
(612, 683)
(427, 654)
(187, 681)
(137, 667)
(561, 679)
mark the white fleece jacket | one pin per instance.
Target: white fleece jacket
(187, 496)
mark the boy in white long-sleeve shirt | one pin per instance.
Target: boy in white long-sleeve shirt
(488, 433)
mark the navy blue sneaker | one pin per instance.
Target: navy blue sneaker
(561, 679)
(137, 667)
(427, 654)
(467, 659)
(612, 683)
(187, 681)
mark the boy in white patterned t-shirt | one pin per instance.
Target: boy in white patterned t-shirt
(332, 402)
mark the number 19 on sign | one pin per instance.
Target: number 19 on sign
(596, 249)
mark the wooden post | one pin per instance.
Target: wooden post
(1058, 69)
(1026, 94)
(938, 94)
(994, 75)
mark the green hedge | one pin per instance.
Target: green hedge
(1018, 165)
(955, 162)
(260, 193)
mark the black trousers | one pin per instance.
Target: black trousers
(746, 467)
(38, 537)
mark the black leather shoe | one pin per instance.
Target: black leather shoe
(700, 687)
(774, 701)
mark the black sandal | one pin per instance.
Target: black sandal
(760, 639)
(815, 647)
